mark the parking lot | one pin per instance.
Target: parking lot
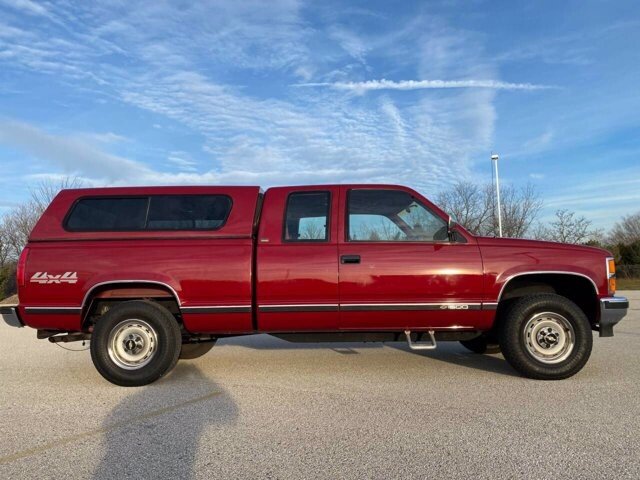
(258, 407)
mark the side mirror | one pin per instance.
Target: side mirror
(451, 229)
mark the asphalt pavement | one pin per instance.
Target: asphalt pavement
(259, 407)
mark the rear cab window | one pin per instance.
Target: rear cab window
(307, 217)
(149, 213)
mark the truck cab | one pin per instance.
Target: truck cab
(150, 275)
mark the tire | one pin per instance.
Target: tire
(480, 345)
(191, 351)
(545, 337)
(135, 343)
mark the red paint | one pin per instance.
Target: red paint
(296, 273)
(505, 258)
(409, 272)
(209, 269)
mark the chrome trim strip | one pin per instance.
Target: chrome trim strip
(300, 304)
(53, 310)
(409, 306)
(111, 282)
(546, 272)
(319, 307)
(246, 305)
(52, 307)
(453, 327)
(614, 302)
(412, 303)
(353, 307)
(217, 309)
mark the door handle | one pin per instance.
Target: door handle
(350, 259)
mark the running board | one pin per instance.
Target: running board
(421, 345)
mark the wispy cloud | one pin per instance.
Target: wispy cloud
(349, 42)
(183, 161)
(220, 79)
(384, 84)
(247, 133)
(27, 6)
(69, 153)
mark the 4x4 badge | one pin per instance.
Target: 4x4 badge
(45, 278)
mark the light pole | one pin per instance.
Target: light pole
(494, 159)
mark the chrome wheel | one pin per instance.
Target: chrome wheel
(549, 337)
(132, 344)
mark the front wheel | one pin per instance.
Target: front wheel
(135, 343)
(546, 337)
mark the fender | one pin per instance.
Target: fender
(129, 281)
(545, 272)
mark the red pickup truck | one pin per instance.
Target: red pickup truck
(154, 274)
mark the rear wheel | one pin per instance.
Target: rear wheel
(135, 343)
(546, 337)
(481, 344)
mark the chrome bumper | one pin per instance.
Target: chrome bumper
(612, 310)
(9, 314)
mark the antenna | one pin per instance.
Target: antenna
(494, 160)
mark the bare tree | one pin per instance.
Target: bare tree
(474, 207)
(312, 231)
(4, 246)
(45, 191)
(17, 224)
(520, 209)
(469, 204)
(568, 228)
(378, 229)
(16, 227)
(627, 230)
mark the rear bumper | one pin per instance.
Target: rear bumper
(612, 310)
(9, 314)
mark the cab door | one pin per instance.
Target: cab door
(398, 268)
(297, 260)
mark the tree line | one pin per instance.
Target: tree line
(472, 205)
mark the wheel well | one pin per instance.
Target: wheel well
(103, 297)
(580, 290)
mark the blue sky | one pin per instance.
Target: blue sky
(293, 92)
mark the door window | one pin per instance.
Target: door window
(307, 217)
(391, 216)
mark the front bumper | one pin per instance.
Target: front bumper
(612, 310)
(9, 314)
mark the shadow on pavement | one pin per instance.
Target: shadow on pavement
(268, 342)
(452, 353)
(155, 431)
(447, 352)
